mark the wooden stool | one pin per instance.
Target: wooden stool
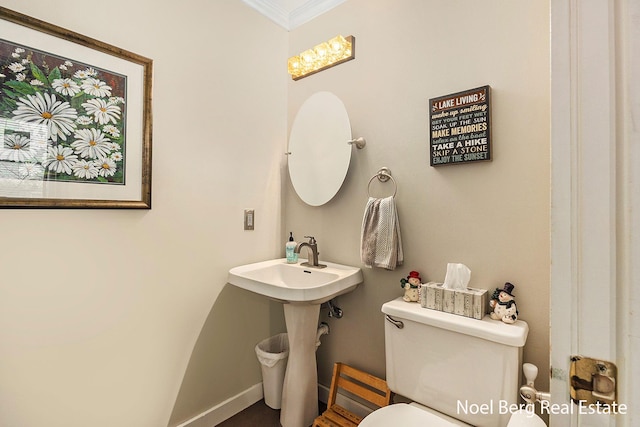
(367, 387)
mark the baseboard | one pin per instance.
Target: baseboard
(230, 407)
(227, 409)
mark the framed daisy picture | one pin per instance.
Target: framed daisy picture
(75, 119)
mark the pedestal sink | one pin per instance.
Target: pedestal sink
(302, 289)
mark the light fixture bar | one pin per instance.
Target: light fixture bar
(325, 55)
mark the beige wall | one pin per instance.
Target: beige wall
(492, 216)
(100, 310)
(142, 331)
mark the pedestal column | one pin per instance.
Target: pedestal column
(300, 390)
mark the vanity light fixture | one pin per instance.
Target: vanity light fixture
(325, 55)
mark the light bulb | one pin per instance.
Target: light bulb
(322, 54)
(293, 65)
(308, 59)
(337, 46)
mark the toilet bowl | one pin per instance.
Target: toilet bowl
(525, 419)
(409, 415)
(415, 415)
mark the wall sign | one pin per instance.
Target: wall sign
(460, 127)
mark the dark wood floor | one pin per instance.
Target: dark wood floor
(257, 415)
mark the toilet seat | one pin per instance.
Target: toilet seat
(416, 415)
(525, 419)
(409, 415)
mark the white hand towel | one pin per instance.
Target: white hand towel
(381, 242)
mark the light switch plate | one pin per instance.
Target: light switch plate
(249, 219)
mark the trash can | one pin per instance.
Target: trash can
(273, 353)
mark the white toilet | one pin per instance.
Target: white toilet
(458, 371)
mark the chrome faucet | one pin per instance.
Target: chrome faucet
(312, 244)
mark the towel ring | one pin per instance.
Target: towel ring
(383, 175)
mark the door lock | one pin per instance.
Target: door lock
(593, 381)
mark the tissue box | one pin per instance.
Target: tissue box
(480, 303)
(448, 300)
(458, 302)
(432, 296)
(470, 302)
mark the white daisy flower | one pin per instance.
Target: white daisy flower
(20, 77)
(60, 159)
(16, 67)
(31, 170)
(47, 110)
(107, 168)
(85, 169)
(91, 143)
(111, 130)
(36, 82)
(16, 148)
(81, 74)
(68, 63)
(63, 67)
(19, 50)
(15, 55)
(84, 120)
(102, 111)
(116, 100)
(66, 87)
(96, 87)
(117, 156)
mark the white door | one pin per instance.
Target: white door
(595, 201)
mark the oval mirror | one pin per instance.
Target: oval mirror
(319, 152)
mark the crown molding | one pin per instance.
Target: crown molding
(292, 18)
(310, 10)
(271, 10)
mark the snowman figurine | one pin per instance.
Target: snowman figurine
(411, 286)
(503, 304)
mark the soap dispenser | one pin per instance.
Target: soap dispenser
(290, 250)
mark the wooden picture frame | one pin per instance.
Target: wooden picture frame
(75, 119)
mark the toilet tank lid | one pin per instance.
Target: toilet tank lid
(514, 335)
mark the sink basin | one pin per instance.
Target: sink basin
(294, 283)
(302, 289)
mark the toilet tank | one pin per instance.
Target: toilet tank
(466, 368)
